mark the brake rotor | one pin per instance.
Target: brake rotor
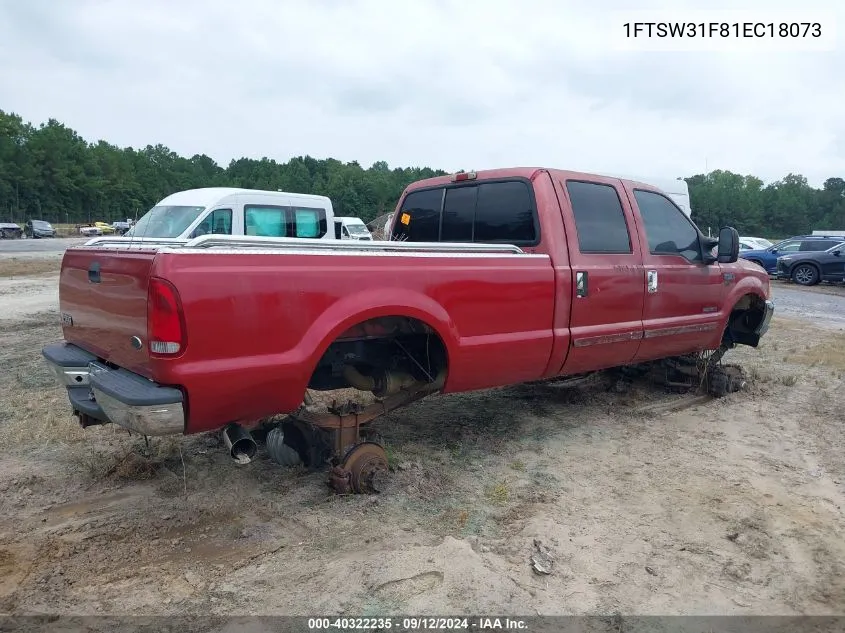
(367, 466)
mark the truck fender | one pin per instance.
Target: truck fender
(371, 304)
(747, 287)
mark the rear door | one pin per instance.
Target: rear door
(684, 296)
(608, 279)
(833, 263)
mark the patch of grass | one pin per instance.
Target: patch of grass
(499, 493)
(29, 266)
(828, 353)
(518, 465)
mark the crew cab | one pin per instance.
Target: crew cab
(491, 278)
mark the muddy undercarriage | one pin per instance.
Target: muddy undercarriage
(344, 438)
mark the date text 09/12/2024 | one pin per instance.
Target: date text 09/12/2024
(770, 30)
(416, 624)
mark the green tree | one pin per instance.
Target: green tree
(50, 172)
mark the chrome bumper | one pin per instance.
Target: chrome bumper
(767, 318)
(101, 394)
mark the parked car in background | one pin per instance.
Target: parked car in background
(121, 227)
(810, 268)
(753, 243)
(90, 231)
(10, 231)
(351, 229)
(105, 228)
(229, 211)
(38, 228)
(768, 257)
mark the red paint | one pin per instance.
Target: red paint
(256, 324)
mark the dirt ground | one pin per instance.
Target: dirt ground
(650, 502)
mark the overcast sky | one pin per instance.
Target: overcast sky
(468, 84)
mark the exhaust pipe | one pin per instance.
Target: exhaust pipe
(241, 445)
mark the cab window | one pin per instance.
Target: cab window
(486, 212)
(668, 230)
(218, 222)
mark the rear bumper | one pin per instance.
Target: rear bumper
(767, 318)
(100, 394)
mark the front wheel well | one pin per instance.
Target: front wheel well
(381, 355)
(745, 318)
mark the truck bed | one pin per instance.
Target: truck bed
(259, 316)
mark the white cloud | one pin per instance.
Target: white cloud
(442, 83)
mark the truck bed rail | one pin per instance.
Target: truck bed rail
(294, 243)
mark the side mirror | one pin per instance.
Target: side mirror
(774, 251)
(837, 253)
(728, 251)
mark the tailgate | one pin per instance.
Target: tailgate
(103, 301)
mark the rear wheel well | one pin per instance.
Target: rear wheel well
(380, 355)
(746, 316)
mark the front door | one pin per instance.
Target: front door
(608, 280)
(684, 296)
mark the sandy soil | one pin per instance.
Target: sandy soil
(650, 502)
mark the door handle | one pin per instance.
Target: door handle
(652, 281)
(580, 284)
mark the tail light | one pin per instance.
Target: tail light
(165, 320)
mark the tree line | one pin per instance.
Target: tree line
(49, 172)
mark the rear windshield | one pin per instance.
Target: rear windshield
(165, 221)
(492, 211)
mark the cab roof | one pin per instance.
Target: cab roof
(520, 172)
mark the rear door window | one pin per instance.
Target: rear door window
(266, 220)
(599, 218)
(816, 245)
(309, 222)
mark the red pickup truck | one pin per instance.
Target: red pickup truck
(491, 278)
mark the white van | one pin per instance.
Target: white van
(230, 211)
(351, 229)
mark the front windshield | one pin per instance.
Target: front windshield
(764, 243)
(357, 229)
(165, 221)
(40, 224)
